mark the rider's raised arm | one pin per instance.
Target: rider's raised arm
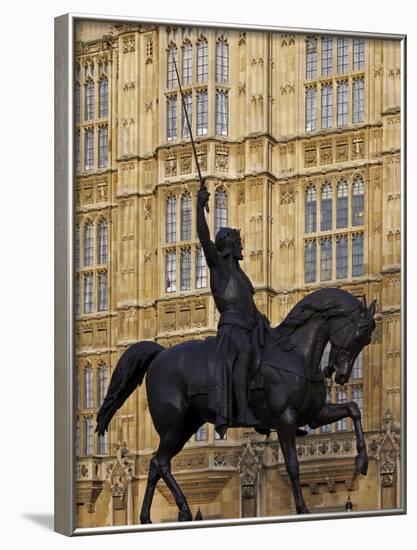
(203, 231)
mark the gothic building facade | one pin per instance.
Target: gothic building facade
(299, 140)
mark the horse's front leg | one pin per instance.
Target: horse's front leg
(332, 413)
(287, 433)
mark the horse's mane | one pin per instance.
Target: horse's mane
(330, 302)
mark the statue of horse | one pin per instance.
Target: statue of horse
(290, 388)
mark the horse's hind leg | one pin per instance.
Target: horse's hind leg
(153, 477)
(171, 442)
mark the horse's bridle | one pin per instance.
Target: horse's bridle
(330, 369)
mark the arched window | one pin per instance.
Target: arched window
(327, 105)
(310, 261)
(310, 209)
(172, 118)
(89, 149)
(187, 105)
(358, 54)
(200, 269)
(77, 103)
(342, 103)
(222, 61)
(77, 246)
(325, 259)
(186, 217)
(357, 201)
(102, 242)
(311, 57)
(102, 291)
(202, 61)
(171, 272)
(103, 98)
(88, 244)
(89, 101)
(341, 257)
(202, 113)
(220, 210)
(187, 64)
(103, 147)
(88, 292)
(88, 435)
(342, 55)
(77, 294)
(222, 112)
(88, 387)
(185, 269)
(172, 81)
(326, 55)
(101, 384)
(358, 100)
(342, 204)
(171, 219)
(77, 150)
(357, 255)
(311, 109)
(326, 207)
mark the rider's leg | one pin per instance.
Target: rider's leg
(240, 377)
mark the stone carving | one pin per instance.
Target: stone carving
(185, 163)
(171, 166)
(342, 150)
(326, 152)
(202, 158)
(249, 467)
(310, 154)
(358, 146)
(222, 159)
(128, 44)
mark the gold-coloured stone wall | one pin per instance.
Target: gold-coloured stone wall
(265, 164)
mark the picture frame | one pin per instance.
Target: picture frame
(65, 208)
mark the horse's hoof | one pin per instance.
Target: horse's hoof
(361, 465)
(185, 516)
(144, 521)
(303, 510)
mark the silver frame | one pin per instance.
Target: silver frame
(64, 473)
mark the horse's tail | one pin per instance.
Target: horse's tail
(127, 376)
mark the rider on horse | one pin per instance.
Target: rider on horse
(241, 325)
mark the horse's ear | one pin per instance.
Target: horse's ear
(372, 308)
(363, 302)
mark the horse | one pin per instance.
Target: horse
(292, 393)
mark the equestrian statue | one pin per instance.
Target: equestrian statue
(250, 374)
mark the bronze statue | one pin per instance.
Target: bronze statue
(198, 381)
(239, 317)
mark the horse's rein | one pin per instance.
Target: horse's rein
(330, 368)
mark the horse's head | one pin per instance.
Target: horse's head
(349, 333)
